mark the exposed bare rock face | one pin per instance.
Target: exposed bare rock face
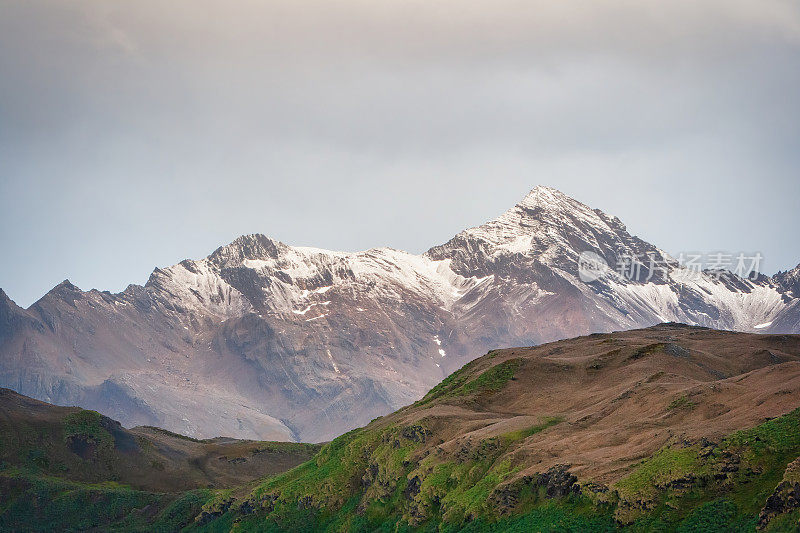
(263, 340)
(785, 498)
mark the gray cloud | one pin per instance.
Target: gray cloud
(133, 134)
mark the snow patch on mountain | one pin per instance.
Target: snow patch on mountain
(266, 336)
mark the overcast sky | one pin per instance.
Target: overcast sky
(135, 134)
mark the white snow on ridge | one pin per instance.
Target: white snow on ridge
(308, 308)
(518, 245)
(394, 271)
(737, 310)
(255, 263)
(543, 226)
(333, 363)
(438, 342)
(200, 289)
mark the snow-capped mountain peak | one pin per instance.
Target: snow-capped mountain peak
(253, 247)
(789, 281)
(265, 340)
(546, 227)
(543, 221)
(547, 198)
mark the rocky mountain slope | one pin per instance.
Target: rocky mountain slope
(263, 340)
(669, 428)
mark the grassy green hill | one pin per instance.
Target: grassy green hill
(669, 428)
(64, 468)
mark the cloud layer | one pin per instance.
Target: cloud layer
(133, 134)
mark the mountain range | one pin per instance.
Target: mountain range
(267, 341)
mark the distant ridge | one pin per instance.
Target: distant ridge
(264, 340)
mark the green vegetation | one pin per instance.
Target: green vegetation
(523, 434)
(647, 350)
(667, 465)
(777, 436)
(736, 475)
(682, 402)
(490, 380)
(87, 425)
(386, 479)
(451, 382)
(717, 515)
(42, 503)
(171, 433)
(413, 472)
(62, 469)
(286, 447)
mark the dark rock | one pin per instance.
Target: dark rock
(369, 475)
(682, 483)
(212, 514)
(415, 433)
(412, 488)
(83, 446)
(785, 499)
(506, 497)
(558, 482)
(247, 508)
(305, 502)
(676, 350)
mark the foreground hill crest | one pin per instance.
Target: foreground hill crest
(669, 428)
(265, 340)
